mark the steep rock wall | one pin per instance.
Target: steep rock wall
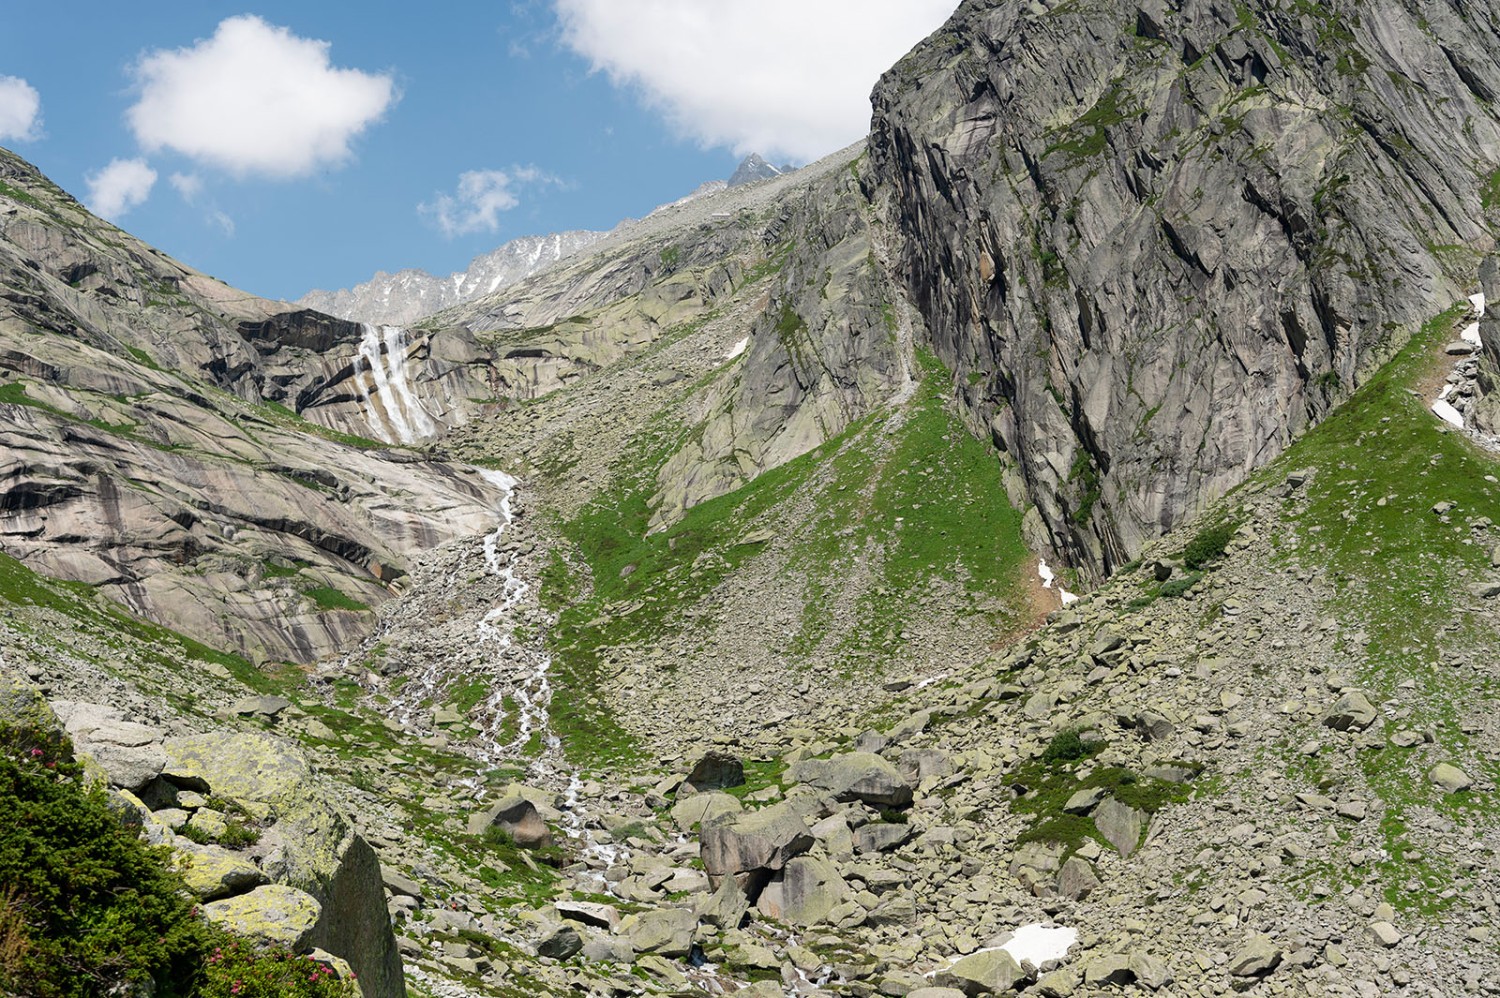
(1157, 241)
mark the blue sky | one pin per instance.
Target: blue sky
(289, 146)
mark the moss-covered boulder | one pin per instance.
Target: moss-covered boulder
(308, 845)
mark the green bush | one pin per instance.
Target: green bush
(1066, 746)
(1207, 545)
(237, 971)
(87, 907)
(1178, 587)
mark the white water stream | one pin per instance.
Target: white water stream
(392, 407)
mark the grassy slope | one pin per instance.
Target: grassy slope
(1401, 573)
(913, 492)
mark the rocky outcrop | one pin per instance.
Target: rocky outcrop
(1155, 242)
(306, 846)
(151, 446)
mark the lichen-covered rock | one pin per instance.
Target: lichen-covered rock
(212, 872)
(275, 915)
(861, 776)
(759, 840)
(309, 845)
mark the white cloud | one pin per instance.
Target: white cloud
(120, 186)
(481, 196)
(20, 109)
(785, 78)
(188, 185)
(255, 99)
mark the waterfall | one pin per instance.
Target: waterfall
(391, 405)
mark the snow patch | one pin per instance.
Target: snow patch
(1049, 581)
(1448, 414)
(1480, 303)
(738, 349)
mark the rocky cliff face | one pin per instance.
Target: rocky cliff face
(1155, 242)
(409, 295)
(151, 444)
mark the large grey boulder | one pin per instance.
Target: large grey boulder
(274, 915)
(1352, 712)
(987, 972)
(758, 840)
(1121, 825)
(130, 754)
(703, 808)
(666, 932)
(517, 817)
(861, 776)
(715, 771)
(804, 893)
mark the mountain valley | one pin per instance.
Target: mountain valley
(696, 614)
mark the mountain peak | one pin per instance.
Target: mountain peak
(754, 168)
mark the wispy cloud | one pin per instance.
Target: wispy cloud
(481, 197)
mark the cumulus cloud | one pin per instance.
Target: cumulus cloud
(120, 186)
(188, 185)
(480, 198)
(786, 78)
(255, 99)
(20, 110)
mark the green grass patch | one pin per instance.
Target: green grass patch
(1401, 572)
(329, 598)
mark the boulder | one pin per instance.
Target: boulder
(560, 943)
(664, 931)
(1120, 825)
(881, 836)
(725, 908)
(24, 709)
(1109, 968)
(860, 776)
(1256, 958)
(1077, 879)
(715, 771)
(1450, 778)
(804, 893)
(1352, 712)
(758, 840)
(600, 916)
(212, 872)
(275, 915)
(517, 817)
(702, 808)
(991, 971)
(130, 754)
(309, 845)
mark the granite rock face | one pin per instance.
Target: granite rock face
(1156, 241)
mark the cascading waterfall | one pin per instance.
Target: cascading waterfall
(392, 407)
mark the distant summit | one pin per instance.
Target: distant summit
(409, 295)
(755, 168)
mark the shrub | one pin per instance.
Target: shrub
(1178, 587)
(237, 971)
(893, 816)
(1208, 545)
(87, 906)
(1066, 746)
